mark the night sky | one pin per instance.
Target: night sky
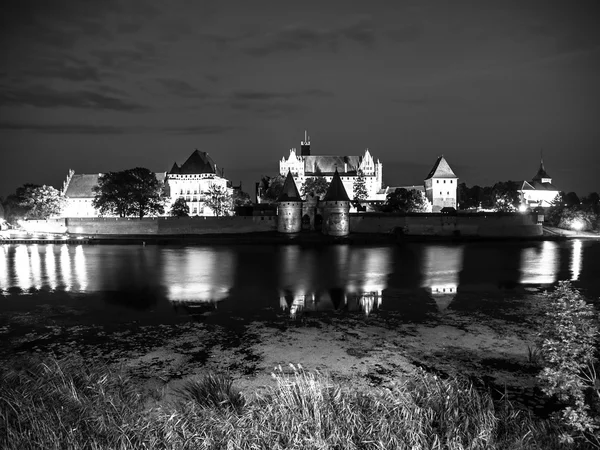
(107, 85)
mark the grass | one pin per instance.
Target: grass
(68, 405)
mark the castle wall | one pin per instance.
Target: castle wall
(289, 217)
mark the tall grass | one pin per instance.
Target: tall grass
(65, 404)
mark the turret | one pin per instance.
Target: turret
(289, 207)
(336, 209)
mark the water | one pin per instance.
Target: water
(106, 284)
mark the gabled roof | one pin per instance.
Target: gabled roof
(326, 165)
(543, 186)
(80, 185)
(198, 162)
(289, 191)
(526, 186)
(441, 169)
(337, 191)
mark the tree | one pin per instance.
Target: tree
(273, 188)
(315, 185)
(41, 202)
(133, 192)
(505, 196)
(568, 343)
(571, 199)
(360, 188)
(403, 200)
(180, 208)
(241, 198)
(219, 200)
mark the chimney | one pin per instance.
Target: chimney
(305, 145)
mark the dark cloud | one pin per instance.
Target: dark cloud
(261, 96)
(299, 37)
(407, 33)
(181, 88)
(45, 97)
(61, 129)
(122, 58)
(62, 67)
(199, 129)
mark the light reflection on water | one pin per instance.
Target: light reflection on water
(332, 278)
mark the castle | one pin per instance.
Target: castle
(305, 165)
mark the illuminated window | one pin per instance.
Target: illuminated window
(195, 211)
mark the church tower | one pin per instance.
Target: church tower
(289, 207)
(336, 209)
(305, 145)
(441, 186)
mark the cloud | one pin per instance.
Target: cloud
(296, 38)
(111, 129)
(181, 88)
(62, 67)
(407, 33)
(61, 128)
(45, 97)
(261, 96)
(120, 58)
(199, 129)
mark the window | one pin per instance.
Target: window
(195, 211)
(188, 192)
(437, 181)
(444, 181)
(450, 181)
(447, 193)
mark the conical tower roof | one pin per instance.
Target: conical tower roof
(541, 173)
(441, 169)
(337, 191)
(175, 168)
(289, 192)
(198, 162)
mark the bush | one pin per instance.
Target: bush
(568, 344)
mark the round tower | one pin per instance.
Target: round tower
(289, 207)
(336, 209)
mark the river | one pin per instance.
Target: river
(168, 284)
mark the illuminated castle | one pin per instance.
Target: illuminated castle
(305, 165)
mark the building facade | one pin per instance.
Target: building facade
(305, 165)
(539, 192)
(441, 186)
(192, 182)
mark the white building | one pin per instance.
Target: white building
(441, 186)
(305, 165)
(539, 191)
(192, 180)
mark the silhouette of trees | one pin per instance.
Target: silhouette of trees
(315, 185)
(403, 200)
(360, 188)
(41, 202)
(129, 193)
(219, 200)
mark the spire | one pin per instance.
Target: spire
(289, 191)
(337, 191)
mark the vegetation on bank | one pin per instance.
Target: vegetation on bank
(67, 404)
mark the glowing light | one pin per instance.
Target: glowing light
(22, 268)
(65, 266)
(3, 269)
(80, 269)
(50, 266)
(522, 207)
(539, 266)
(35, 265)
(576, 259)
(577, 224)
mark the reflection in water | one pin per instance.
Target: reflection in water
(50, 267)
(441, 268)
(576, 259)
(65, 267)
(194, 275)
(539, 266)
(3, 268)
(22, 267)
(353, 278)
(34, 258)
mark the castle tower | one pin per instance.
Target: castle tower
(441, 186)
(305, 145)
(336, 209)
(289, 207)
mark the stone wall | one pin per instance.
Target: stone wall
(486, 225)
(216, 225)
(112, 226)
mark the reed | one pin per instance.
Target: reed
(66, 404)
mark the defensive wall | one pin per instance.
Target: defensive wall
(431, 224)
(460, 224)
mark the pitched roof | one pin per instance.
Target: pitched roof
(326, 165)
(538, 186)
(81, 184)
(198, 162)
(541, 173)
(174, 169)
(337, 191)
(289, 191)
(441, 169)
